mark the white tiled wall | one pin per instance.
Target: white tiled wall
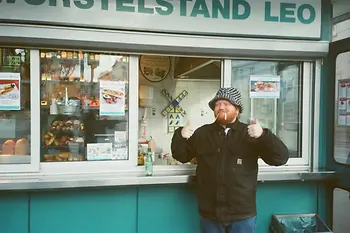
(195, 104)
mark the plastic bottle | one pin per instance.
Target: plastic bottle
(149, 163)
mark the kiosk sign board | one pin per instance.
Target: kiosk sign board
(249, 18)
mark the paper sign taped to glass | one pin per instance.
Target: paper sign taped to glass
(10, 94)
(99, 151)
(265, 86)
(112, 98)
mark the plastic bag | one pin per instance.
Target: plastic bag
(300, 225)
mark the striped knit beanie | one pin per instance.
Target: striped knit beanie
(228, 93)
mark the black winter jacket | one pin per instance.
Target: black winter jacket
(227, 167)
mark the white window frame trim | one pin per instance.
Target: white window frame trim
(307, 121)
(304, 162)
(91, 167)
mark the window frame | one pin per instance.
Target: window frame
(91, 167)
(309, 74)
(34, 164)
(308, 77)
(301, 163)
(337, 80)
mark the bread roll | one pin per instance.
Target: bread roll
(63, 155)
(22, 147)
(8, 148)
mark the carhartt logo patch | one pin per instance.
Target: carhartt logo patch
(239, 161)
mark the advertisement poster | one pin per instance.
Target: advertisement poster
(10, 95)
(348, 112)
(342, 119)
(112, 98)
(342, 103)
(342, 90)
(265, 86)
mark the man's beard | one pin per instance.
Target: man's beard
(224, 118)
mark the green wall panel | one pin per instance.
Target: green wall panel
(174, 209)
(148, 209)
(326, 23)
(167, 209)
(284, 198)
(84, 211)
(325, 203)
(13, 213)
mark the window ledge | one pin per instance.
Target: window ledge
(46, 182)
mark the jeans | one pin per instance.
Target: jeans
(240, 226)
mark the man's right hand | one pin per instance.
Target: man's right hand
(186, 131)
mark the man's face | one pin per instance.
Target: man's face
(225, 112)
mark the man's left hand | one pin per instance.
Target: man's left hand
(254, 129)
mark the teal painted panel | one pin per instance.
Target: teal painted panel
(325, 203)
(284, 198)
(326, 23)
(14, 213)
(174, 209)
(327, 102)
(84, 211)
(167, 209)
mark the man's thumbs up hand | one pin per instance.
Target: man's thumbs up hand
(254, 129)
(186, 131)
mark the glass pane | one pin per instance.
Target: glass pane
(84, 106)
(194, 80)
(342, 113)
(14, 106)
(341, 206)
(271, 93)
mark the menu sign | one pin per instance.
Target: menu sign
(10, 95)
(155, 68)
(265, 86)
(344, 102)
(99, 151)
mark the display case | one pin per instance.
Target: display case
(84, 106)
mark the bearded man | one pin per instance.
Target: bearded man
(227, 153)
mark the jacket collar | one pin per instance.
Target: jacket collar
(236, 126)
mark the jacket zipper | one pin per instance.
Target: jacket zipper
(222, 143)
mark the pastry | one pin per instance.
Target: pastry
(63, 155)
(68, 123)
(22, 147)
(8, 148)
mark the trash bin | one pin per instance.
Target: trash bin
(298, 223)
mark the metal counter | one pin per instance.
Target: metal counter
(41, 182)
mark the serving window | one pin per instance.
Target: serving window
(278, 94)
(84, 106)
(82, 102)
(172, 92)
